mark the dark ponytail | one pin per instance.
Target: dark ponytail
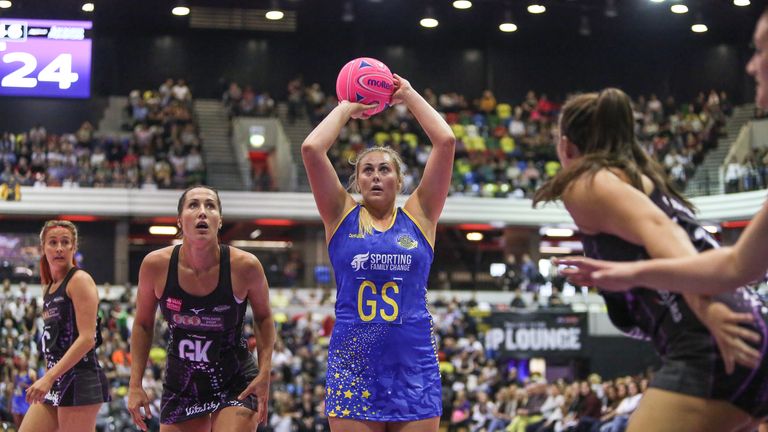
(601, 126)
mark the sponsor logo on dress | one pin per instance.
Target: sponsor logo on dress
(197, 408)
(173, 304)
(356, 235)
(385, 262)
(54, 397)
(221, 308)
(358, 262)
(196, 311)
(188, 320)
(407, 242)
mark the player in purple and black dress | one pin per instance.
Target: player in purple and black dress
(382, 362)
(627, 210)
(70, 393)
(212, 382)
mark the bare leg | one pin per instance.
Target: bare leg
(425, 425)
(40, 418)
(352, 425)
(199, 424)
(78, 418)
(665, 411)
(234, 419)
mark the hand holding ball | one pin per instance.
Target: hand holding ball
(367, 81)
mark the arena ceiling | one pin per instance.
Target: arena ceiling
(398, 20)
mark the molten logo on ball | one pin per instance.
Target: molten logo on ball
(367, 81)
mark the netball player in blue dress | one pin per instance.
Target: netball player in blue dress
(627, 210)
(382, 361)
(212, 382)
(68, 396)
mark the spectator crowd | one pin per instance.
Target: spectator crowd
(161, 148)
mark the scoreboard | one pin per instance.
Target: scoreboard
(45, 58)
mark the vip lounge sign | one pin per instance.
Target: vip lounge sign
(537, 334)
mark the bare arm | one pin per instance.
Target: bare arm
(712, 272)
(264, 326)
(144, 321)
(152, 268)
(636, 219)
(427, 201)
(330, 196)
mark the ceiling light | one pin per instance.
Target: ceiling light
(698, 25)
(429, 20)
(5, 4)
(274, 13)
(88, 7)
(699, 28)
(657, 1)
(462, 4)
(181, 9)
(741, 2)
(168, 230)
(536, 8)
(679, 8)
(508, 25)
(611, 11)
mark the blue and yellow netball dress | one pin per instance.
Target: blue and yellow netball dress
(382, 358)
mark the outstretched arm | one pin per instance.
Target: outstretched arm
(711, 272)
(636, 219)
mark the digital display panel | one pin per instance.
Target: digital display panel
(45, 58)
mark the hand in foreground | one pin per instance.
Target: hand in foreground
(732, 340)
(259, 387)
(37, 391)
(356, 110)
(402, 89)
(138, 399)
(606, 275)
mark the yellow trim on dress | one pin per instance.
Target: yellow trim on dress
(341, 221)
(418, 225)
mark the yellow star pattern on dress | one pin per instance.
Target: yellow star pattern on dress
(345, 412)
(348, 394)
(366, 394)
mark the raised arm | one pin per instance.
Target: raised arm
(85, 298)
(264, 327)
(427, 201)
(330, 196)
(154, 267)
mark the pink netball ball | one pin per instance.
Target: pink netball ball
(367, 81)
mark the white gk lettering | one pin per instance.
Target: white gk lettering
(194, 350)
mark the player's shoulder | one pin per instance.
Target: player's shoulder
(157, 259)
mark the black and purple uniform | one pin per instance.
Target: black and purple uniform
(85, 383)
(691, 362)
(209, 364)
